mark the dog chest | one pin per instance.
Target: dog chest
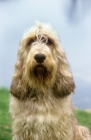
(40, 122)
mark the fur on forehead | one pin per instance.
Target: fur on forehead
(44, 30)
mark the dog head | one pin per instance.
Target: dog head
(41, 64)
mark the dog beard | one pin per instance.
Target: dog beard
(40, 72)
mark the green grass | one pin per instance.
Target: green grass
(83, 117)
(5, 122)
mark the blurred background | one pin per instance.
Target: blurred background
(71, 19)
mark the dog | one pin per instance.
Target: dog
(40, 104)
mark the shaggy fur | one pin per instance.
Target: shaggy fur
(40, 105)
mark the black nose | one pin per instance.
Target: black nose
(39, 58)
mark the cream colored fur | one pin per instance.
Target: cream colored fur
(40, 104)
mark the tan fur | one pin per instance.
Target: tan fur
(40, 104)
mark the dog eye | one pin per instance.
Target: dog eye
(49, 42)
(30, 42)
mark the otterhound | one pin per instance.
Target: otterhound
(40, 105)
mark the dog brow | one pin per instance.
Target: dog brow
(41, 37)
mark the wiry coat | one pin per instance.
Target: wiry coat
(40, 105)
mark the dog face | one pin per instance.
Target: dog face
(42, 64)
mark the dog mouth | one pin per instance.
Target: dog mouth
(40, 70)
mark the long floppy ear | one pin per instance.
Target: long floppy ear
(64, 83)
(19, 87)
(16, 88)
